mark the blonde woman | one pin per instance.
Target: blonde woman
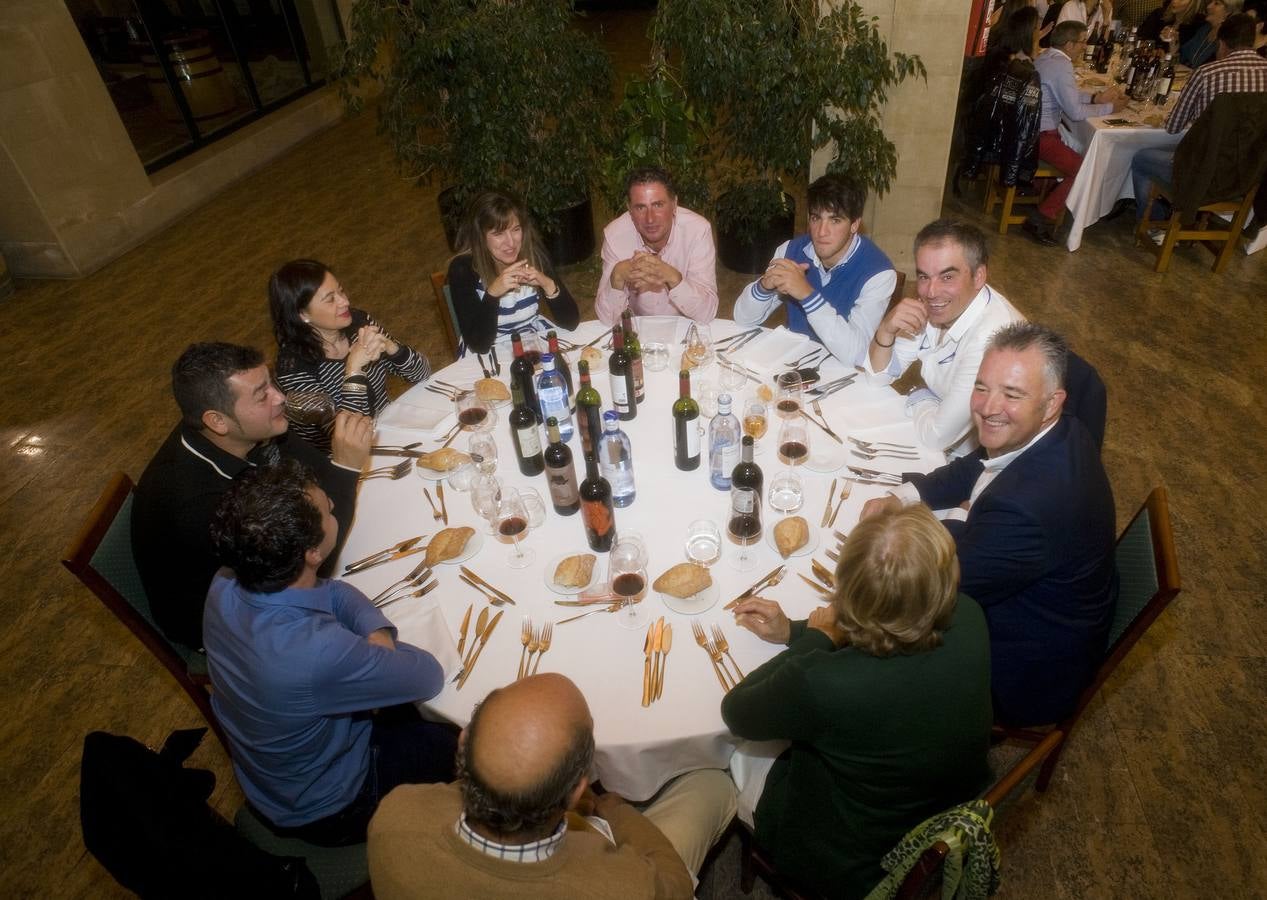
(885, 697)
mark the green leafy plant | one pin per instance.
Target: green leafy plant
(782, 81)
(485, 94)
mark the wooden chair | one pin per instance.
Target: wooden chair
(1148, 570)
(444, 309)
(101, 557)
(996, 193)
(1228, 235)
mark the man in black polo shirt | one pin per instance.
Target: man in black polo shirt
(232, 417)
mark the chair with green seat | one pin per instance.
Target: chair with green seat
(1148, 572)
(101, 557)
(340, 871)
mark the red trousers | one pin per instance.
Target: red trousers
(1053, 151)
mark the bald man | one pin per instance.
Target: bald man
(522, 822)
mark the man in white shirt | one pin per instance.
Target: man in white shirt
(946, 329)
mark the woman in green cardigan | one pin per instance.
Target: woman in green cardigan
(885, 697)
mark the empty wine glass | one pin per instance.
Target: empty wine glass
(512, 522)
(744, 525)
(483, 449)
(473, 413)
(313, 408)
(787, 402)
(731, 379)
(787, 491)
(655, 356)
(703, 542)
(534, 506)
(486, 495)
(794, 441)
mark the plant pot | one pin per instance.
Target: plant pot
(450, 215)
(751, 254)
(572, 237)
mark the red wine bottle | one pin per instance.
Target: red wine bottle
(597, 511)
(521, 371)
(560, 362)
(560, 472)
(747, 474)
(686, 442)
(588, 411)
(620, 367)
(524, 433)
(633, 347)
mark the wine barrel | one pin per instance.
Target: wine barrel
(206, 85)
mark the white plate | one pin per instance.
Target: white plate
(694, 604)
(810, 546)
(826, 456)
(431, 474)
(473, 546)
(568, 591)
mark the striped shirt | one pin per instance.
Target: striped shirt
(1240, 72)
(533, 851)
(327, 377)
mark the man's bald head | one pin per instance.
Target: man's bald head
(527, 748)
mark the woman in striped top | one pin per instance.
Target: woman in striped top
(325, 345)
(502, 274)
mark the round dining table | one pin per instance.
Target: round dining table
(638, 748)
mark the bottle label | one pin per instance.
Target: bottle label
(640, 388)
(729, 459)
(620, 393)
(529, 440)
(563, 489)
(554, 402)
(692, 437)
(597, 515)
(743, 502)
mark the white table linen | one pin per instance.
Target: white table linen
(638, 749)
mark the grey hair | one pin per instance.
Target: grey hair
(969, 237)
(1067, 32)
(1021, 336)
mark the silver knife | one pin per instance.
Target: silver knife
(444, 510)
(465, 571)
(824, 426)
(399, 554)
(421, 592)
(395, 548)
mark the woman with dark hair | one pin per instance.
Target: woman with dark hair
(884, 695)
(1200, 48)
(324, 345)
(1171, 18)
(502, 274)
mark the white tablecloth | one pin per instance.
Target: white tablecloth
(638, 749)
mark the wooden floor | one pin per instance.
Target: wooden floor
(1160, 793)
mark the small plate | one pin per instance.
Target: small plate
(473, 546)
(568, 591)
(810, 546)
(694, 604)
(826, 455)
(431, 474)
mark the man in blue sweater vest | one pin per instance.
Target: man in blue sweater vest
(835, 282)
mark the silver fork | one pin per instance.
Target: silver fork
(882, 454)
(543, 644)
(395, 473)
(421, 592)
(413, 579)
(872, 445)
(492, 599)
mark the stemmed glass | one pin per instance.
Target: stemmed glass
(787, 402)
(313, 408)
(744, 525)
(703, 542)
(627, 575)
(512, 521)
(755, 420)
(794, 441)
(699, 345)
(484, 452)
(486, 497)
(473, 413)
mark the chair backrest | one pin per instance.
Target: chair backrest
(1224, 154)
(897, 289)
(101, 557)
(444, 309)
(1087, 399)
(1148, 573)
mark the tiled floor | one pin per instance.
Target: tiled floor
(1160, 793)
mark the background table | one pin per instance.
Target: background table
(638, 749)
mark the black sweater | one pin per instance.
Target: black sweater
(477, 315)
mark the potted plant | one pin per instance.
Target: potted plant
(496, 94)
(781, 81)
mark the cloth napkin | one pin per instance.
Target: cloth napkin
(410, 417)
(421, 622)
(772, 349)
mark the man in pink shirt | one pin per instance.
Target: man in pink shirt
(658, 258)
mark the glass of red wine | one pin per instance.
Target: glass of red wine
(628, 580)
(512, 524)
(787, 400)
(473, 413)
(743, 526)
(793, 441)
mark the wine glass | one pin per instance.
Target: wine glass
(630, 550)
(473, 413)
(787, 491)
(483, 449)
(744, 525)
(703, 542)
(313, 408)
(655, 357)
(731, 378)
(755, 420)
(486, 495)
(534, 506)
(699, 345)
(628, 582)
(533, 347)
(794, 441)
(706, 396)
(512, 521)
(787, 402)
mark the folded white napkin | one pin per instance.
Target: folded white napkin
(414, 418)
(771, 350)
(421, 622)
(659, 329)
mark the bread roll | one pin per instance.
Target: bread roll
(444, 460)
(592, 355)
(791, 535)
(575, 571)
(683, 580)
(490, 390)
(448, 544)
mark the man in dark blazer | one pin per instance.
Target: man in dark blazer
(1033, 520)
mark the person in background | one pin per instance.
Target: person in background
(522, 822)
(326, 346)
(834, 282)
(233, 419)
(1201, 47)
(1091, 13)
(1061, 98)
(946, 329)
(885, 696)
(502, 275)
(1169, 21)
(658, 258)
(1032, 517)
(297, 662)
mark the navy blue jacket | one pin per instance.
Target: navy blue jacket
(1037, 553)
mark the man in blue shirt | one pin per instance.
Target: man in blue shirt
(835, 282)
(298, 661)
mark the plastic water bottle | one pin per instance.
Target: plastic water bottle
(615, 460)
(724, 435)
(552, 395)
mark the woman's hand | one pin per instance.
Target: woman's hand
(765, 619)
(369, 346)
(510, 279)
(540, 279)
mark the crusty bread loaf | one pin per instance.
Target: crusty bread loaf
(490, 390)
(444, 460)
(791, 535)
(575, 571)
(448, 543)
(592, 355)
(683, 580)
